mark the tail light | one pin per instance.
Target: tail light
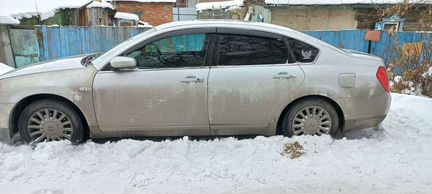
(383, 79)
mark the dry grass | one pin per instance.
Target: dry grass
(293, 150)
(414, 59)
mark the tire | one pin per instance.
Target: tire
(63, 122)
(302, 118)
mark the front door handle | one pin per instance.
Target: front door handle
(284, 75)
(191, 79)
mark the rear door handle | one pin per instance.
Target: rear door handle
(191, 79)
(284, 75)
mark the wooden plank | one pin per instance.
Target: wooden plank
(6, 54)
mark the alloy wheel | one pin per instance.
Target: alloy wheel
(311, 120)
(49, 124)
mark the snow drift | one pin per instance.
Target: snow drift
(395, 158)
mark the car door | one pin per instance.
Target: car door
(166, 92)
(253, 76)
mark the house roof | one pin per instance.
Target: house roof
(102, 4)
(5, 19)
(341, 2)
(148, 1)
(126, 16)
(10, 11)
(215, 5)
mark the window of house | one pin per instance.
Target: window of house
(251, 50)
(392, 23)
(304, 53)
(181, 3)
(176, 51)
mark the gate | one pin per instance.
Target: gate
(24, 45)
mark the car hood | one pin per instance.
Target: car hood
(5, 68)
(54, 65)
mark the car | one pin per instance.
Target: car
(198, 78)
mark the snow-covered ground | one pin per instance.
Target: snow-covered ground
(395, 158)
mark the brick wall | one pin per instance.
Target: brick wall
(154, 13)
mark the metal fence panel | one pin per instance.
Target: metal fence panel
(349, 39)
(184, 13)
(387, 48)
(57, 42)
(62, 41)
(25, 46)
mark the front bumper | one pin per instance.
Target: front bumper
(5, 132)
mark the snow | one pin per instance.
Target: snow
(219, 5)
(338, 2)
(102, 4)
(394, 158)
(30, 8)
(126, 16)
(428, 73)
(144, 24)
(4, 19)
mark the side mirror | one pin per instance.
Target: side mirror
(123, 63)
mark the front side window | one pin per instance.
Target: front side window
(251, 50)
(304, 53)
(186, 50)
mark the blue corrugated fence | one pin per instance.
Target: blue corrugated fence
(57, 42)
(350, 39)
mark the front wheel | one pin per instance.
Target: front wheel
(312, 116)
(50, 120)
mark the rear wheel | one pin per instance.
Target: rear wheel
(50, 120)
(312, 116)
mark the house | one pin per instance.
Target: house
(347, 14)
(211, 9)
(322, 15)
(154, 12)
(58, 12)
(98, 13)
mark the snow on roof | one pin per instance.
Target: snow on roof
(126, 16)
(339, 2)
(44, 8)
(219, 5)
(149, 1)
(5, 19)
(144, 24)
(102, 4)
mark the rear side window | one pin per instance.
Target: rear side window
(251, 50)
(304, 53)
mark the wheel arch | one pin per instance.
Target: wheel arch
(292, 103)
(22, 104)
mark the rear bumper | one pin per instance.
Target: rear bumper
(362, 113)
(357, 124)
(5, 132)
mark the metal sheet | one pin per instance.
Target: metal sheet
(25, 46)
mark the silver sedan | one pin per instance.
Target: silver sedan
(197, 78)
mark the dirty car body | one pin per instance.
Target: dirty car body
(201, 78)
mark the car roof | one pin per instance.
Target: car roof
(221, 23)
